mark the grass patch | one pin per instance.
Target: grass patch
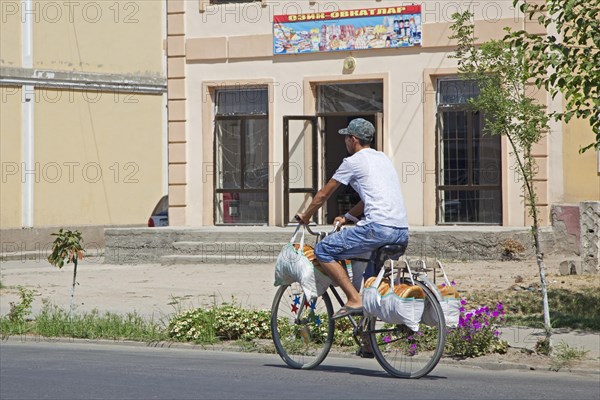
(568, 309)
(55, 322)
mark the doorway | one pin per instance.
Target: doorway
(314, 147)
(334, 153)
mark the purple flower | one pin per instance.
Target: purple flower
(453, 283)
(462, 309)
(387, 339)
(413, 346)
(463, 302)
(443, 285)
(496, 333)
(495, 314)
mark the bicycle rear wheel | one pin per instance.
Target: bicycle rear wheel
(407, 354)
(302, 331)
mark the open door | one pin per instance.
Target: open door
(300, 164)
(378, 145)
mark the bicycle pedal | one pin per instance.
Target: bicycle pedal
(364, 354)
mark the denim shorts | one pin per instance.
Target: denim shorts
(359, 241)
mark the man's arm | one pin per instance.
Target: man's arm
(357, 210)
(351, 215)
(319, 199)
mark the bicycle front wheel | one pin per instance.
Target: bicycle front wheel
(302, 331)
(404, 353)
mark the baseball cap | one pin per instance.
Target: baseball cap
(361, 128)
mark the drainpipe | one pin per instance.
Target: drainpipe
(28, 169)
(165, 104)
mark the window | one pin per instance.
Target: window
(350, 97)
(469, 187)
(241, 156)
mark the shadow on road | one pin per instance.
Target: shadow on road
(355, 371)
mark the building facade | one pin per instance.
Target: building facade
(83, 112)
(253, 115)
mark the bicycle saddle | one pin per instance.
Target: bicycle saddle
(388, 251)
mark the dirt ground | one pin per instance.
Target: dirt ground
(504, 275)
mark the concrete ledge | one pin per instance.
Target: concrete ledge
(242, 244)
(23, 240)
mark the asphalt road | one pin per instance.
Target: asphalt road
(46, 370)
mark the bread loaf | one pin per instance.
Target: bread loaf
(412, 291)
(369, 282)
(308, 251)
(384, 286)
(448, 291)
(398, 289)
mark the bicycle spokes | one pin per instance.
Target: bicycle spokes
(302, 330)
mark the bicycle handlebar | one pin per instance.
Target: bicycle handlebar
(336, 227)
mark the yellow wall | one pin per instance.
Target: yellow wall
(99, 36)
(582, 180)
(100, 158)
(10, 157)
(10, 33)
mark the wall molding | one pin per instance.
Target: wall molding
(41, 78)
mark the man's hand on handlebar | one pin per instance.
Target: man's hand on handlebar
(339, 221)
(301, 218)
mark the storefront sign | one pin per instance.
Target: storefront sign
(370, 28)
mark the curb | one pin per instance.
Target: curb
(470, 363)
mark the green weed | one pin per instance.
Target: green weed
(564, 355)
(18, 311)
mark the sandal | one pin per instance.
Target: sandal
(346, 311)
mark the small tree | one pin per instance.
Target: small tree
(565, 60)
(67, 246)
(501, 74)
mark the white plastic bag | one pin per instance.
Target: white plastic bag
(390, 307)
(293, 266)
(450, 307)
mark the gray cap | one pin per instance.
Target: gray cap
(361, 128)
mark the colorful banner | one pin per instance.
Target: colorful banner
(370, 28)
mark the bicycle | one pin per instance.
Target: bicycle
(303, 332)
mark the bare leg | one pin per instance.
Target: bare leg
(340, 277)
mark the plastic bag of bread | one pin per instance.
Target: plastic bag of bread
(294, 265)
(399, 304)
(450, 303)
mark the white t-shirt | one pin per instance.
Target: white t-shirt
(372, 174)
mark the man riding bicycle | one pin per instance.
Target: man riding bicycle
(373, 176)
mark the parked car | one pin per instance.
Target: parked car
(160, 215)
